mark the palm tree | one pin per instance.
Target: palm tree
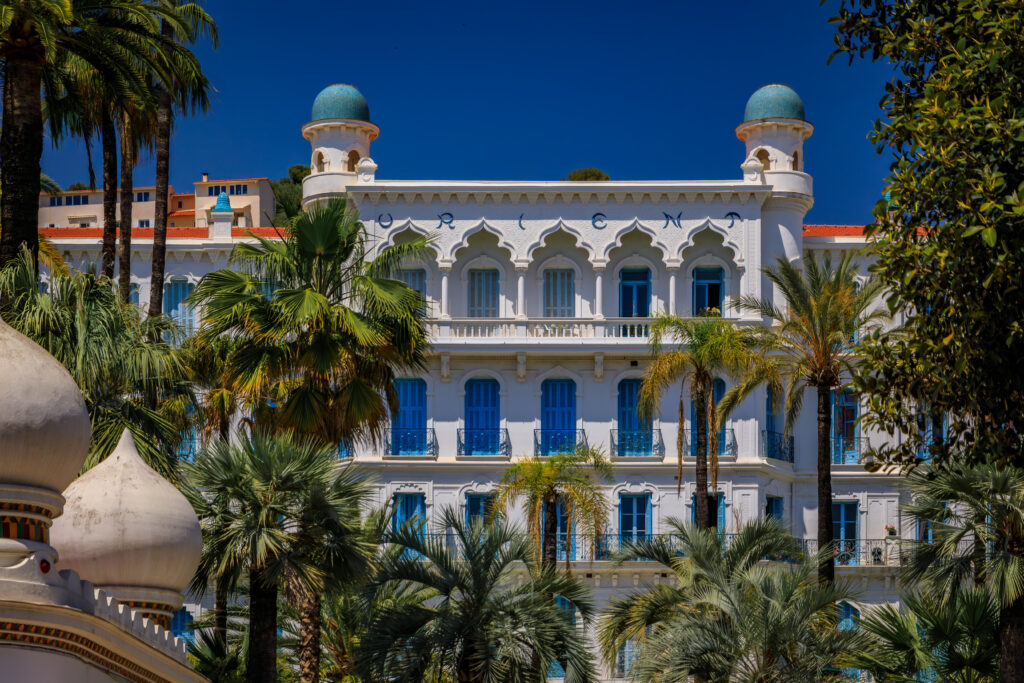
(571, 481)
(127, 373)
(731, 615)
(971, 520)
(265, 500)
(189, 91)
(926, 638)
(40, 40)
(49, 254)
(700, 349)
(323, 328)
(481, 620)
(810, 342)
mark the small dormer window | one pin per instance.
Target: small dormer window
(353, 161)
(796, 161)
(766, 162)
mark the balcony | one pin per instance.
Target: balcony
(776, 446)
(557, 441)
(862, 552)
(412, 442)
(847, 450)
(727, 447)
(637, 444)
(482, 442)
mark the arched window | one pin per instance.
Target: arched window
(557, 417)
(796, 160)
(483, 293)
(320, 163)
(482, 435)
(845, 437)
(708, 290)
(766, 162)
(409, 423)
(353, 161)
(559, 293)
(634, 434)
(634, 293)
(175, 292)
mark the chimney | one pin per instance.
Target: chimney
(206, 176)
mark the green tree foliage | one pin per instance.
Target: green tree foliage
(323, 328)
(542, 482)
(925, 638)
(265, 501)
(588, 173)
(288, 192)
(481, 620)
(810, 347)
(130, 377)
(729, 616)
(695, 351)
(950, 239)
(78, 186)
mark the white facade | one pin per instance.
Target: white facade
(598, 234)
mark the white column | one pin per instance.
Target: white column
(599, 292)
(672, 272)
(521, 293)
(444, 293)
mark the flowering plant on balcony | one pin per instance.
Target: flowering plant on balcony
(890, 529)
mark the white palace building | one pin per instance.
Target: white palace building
(539, 296)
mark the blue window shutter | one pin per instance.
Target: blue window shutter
(634, 516)
(478, 506)
(415, 279)
(558, 404)
(483, 293)
(482, 404)
(629, 420)
(559, 293)
(848, 615)
(175, 292)
(774, 508)
(409, 425)
(720, 504)
(770, 412)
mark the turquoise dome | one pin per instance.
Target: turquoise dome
(340, 101)
(223, 203)
(774, 102)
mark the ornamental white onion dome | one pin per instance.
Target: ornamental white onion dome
(44, 424)
(130, 532)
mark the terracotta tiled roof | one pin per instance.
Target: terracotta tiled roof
(184, 232)
(833, 230)
(228, 180)
(183, 212)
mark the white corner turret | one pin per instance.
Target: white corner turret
(340, 134)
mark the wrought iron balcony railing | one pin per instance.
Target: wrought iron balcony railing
(777, 446)
(863, 552)
(413, 442)
(557, 441)
(726, 443)
(637, 443)
(484, 442)
(847, 450)
(608, 548)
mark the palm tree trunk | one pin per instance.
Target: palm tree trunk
(827, 569)
(164, 119)
(124, 276)
(309, 637)
(700, 428)
(1011, 642)
(220, 610)
(21, 148)
(261, 663)
(108, 140)
(549, 535)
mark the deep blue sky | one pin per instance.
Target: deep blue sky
(527, 90)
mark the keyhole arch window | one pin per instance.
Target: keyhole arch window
(635, 292)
